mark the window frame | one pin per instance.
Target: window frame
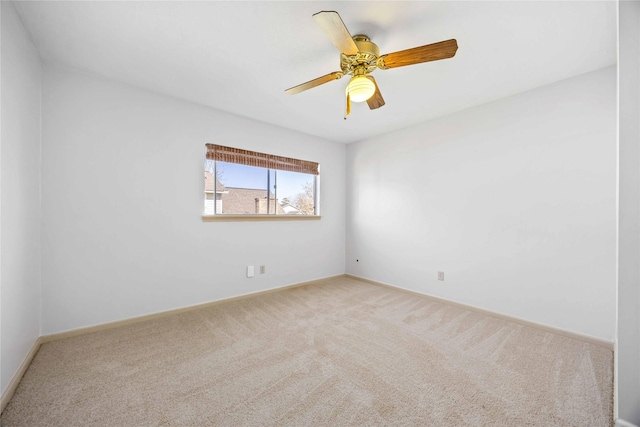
(217, 153)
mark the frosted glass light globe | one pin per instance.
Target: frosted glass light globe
(360, 89)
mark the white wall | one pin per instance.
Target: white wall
(628, 340)
(514, 200)
(122, 199)
(20, 194)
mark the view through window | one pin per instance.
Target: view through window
(251, 183)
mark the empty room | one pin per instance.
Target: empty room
(309, 213)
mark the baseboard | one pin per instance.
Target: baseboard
(13, 384)
(622, 423)
(575, 335)
(110, 325)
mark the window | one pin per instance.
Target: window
(242, 182)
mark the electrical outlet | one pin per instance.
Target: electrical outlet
(441, 275)
(262, 269)
(250, 271)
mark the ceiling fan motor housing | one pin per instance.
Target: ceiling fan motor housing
(364, 61)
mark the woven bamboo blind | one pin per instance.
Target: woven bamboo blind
(261, 160)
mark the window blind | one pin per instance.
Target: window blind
(262, 160)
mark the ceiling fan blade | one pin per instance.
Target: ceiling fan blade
(431, 52)
(334, 28)
(315, 82)
(376, 101)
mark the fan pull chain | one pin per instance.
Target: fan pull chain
(348, 106)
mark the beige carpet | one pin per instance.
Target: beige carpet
(335, 353)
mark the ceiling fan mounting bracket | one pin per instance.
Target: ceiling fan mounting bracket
(380, 63)
(365, 59)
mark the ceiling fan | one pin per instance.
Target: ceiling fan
(359, 57)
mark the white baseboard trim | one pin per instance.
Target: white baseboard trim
(110, 325)
(575, 335)
(622, 423)
(13, 384)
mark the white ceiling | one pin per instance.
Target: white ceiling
(241, 56)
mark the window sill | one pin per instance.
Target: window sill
(216, 218)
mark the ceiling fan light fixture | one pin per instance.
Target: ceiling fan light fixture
(360, 88)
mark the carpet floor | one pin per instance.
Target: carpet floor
(338, 352)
